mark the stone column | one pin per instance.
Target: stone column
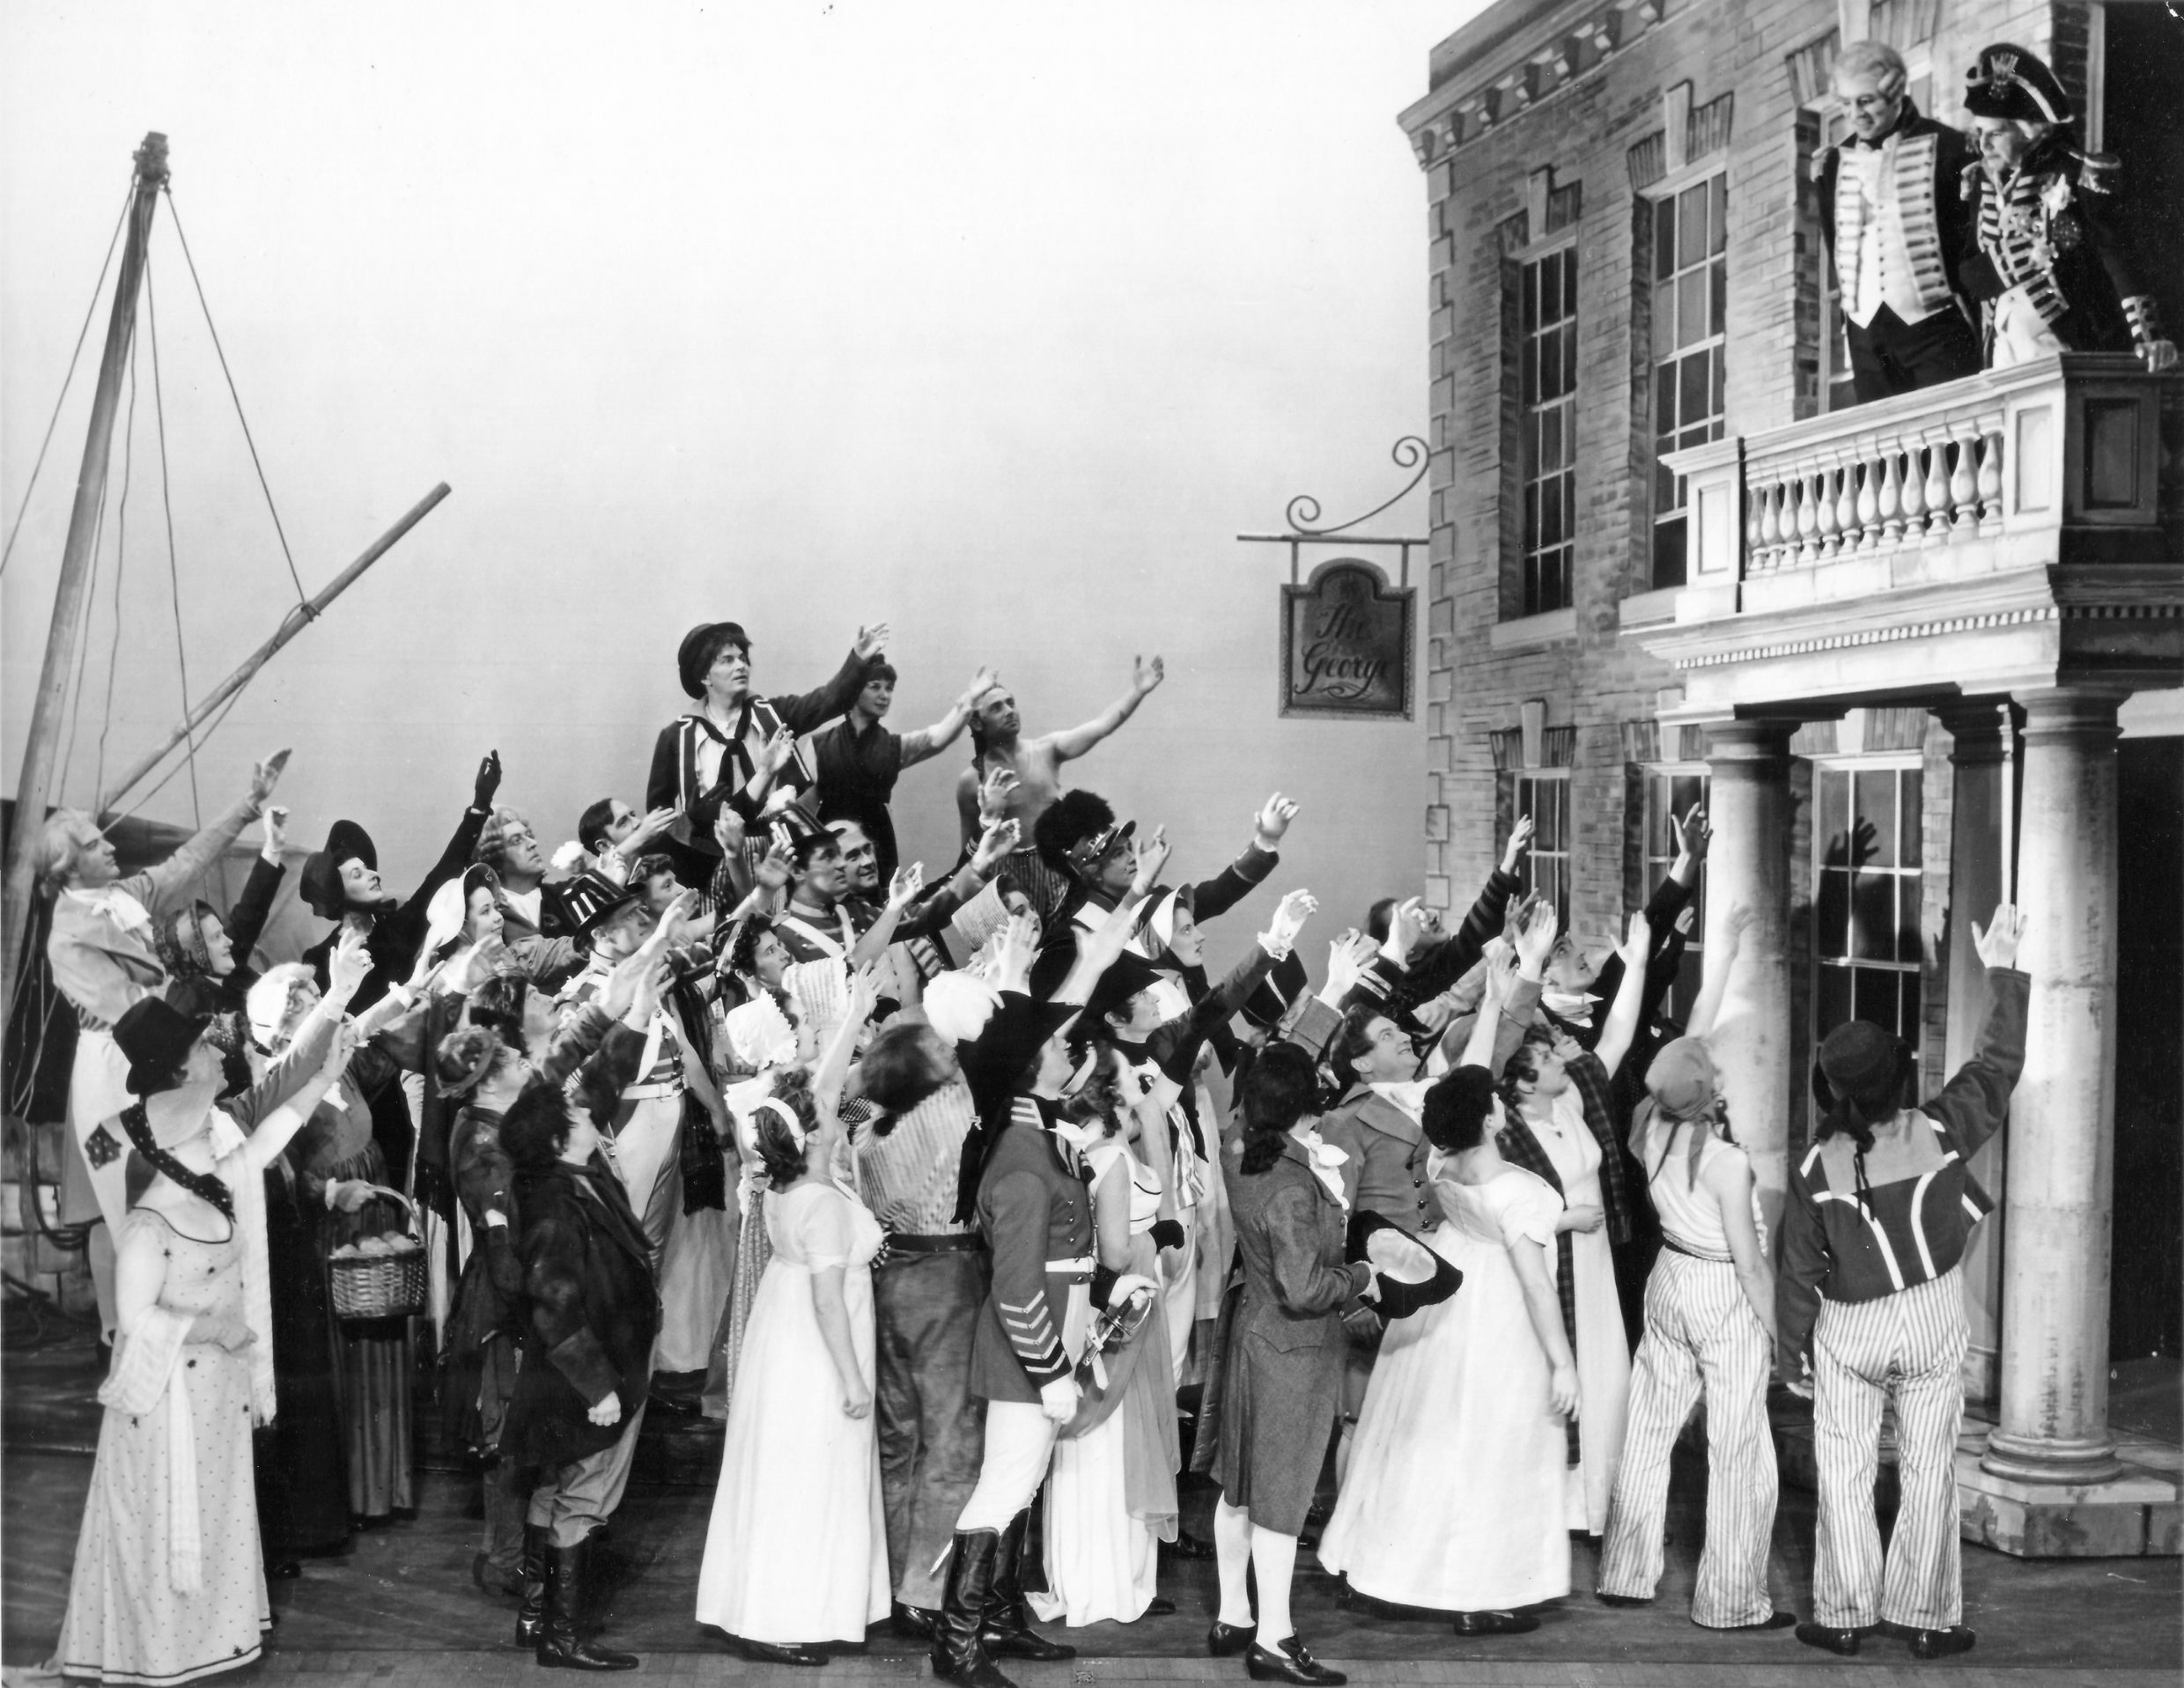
(1749, 866)
(1978, 817)
(2061, 1147)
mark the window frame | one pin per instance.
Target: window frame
(1533, 600)
(1654, 868)
(1897, 764)
(1521, 804)
(1662, 291)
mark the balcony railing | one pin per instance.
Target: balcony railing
(2057, 460)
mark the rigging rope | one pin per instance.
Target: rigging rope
(90, 311)
(121, 570)
(174, 574)
(301, 595)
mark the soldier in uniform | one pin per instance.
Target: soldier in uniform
(2047, 261)
(1895, 223)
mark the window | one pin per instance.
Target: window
(1546, 867)
(1867, 874)
(1690, 289)
(1672, 791)
(1548, 392)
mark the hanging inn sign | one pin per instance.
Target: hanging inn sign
(1347, 636)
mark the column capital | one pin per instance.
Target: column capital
(1975, 732)
(2071, 714)
(1757, 745)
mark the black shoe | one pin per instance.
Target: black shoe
(1225, 1641)
(531, 1570)
(1187, 1546)
(560, 1647)
(1159, 1606)
(1495, 1623)
(916, 1623)
(1774, 1620)
(771, 1653)
(1289, 1659)
(1828, 1638)
(1006, 1631)
(1624, 1600)
(958, 1653)
(1940, 1643)
(490, 1579)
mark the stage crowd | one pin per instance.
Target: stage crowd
(961, 1194)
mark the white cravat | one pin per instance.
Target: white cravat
(1327, 1164)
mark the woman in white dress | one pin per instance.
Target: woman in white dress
(168, 1583)
(1561, 1126)
(1456, 1488)
(1111, 1491)
(796, 1552)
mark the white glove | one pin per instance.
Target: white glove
(1058, 1399)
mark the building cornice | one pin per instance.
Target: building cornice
(1513, 70)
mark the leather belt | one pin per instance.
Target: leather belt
(1083, 1267)
(1674, 1247)
(947, 1242)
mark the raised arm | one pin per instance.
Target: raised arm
(1721, 962)
(1622, 1024)
(1975, 1102)
(902, 892)
(1072, 743)
(931, 741)
(809, 711)
(263, 1146)
(245, 921)
(159, 888)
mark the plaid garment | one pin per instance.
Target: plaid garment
(1520, 1149)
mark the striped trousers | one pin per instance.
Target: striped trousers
(1701, 1339)
(1906, 1348)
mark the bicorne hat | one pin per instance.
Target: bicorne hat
(2006, 81)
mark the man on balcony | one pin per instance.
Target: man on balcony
(1895, 221)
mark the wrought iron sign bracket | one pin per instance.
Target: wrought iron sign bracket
(1302, 511)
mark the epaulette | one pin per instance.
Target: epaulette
(1821, 158)
(2096, 172)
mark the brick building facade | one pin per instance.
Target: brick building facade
(1631, 315)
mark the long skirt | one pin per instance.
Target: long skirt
(127, 1622)
(373, 1362)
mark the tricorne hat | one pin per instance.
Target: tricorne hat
(2006, 81)
(157, 1038)
(701, 648)
(319, 883)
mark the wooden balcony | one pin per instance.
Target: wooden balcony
(2020, 527)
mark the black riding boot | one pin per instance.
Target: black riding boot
(959, 1655)
(531, 1615)
(560, 1647)
(1007, 1631)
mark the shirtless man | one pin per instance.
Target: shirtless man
(1036, 765)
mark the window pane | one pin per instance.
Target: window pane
(1873, 996)
(1721, 295)
(1532, 518)
(1907, 1024)
(1721, 362)
(1664, 239)
(1874, 917)
(1877, 818)
(1529, 363)
(1694, 380)
(1691, 307)
(1833, 826)
(1691, 224)
(1831, 915)
(1569, 357)
(1659, 804)
(1550, 440)
(1833, 1006)
(1913, 795)
(1685, 791)
(1664, 399)
(1530, 292)
(1910, 942)
(1569, 283)
(1550, 515)
(1670, 567)
(1550, 365)
(1720, 219)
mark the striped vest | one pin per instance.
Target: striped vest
(1905, 174)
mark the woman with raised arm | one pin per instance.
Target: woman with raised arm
(796, 1551)
(1454, 1500)
(1869, 1297)
(1561, 1125)
(168, 1584)
(1710, 1334)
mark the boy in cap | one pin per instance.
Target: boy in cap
(729, 750)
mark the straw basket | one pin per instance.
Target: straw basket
(382, 1286)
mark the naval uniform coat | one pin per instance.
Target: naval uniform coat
(1282, 1387)
(1034, 1209)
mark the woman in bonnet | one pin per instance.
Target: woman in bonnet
(168, 1585)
